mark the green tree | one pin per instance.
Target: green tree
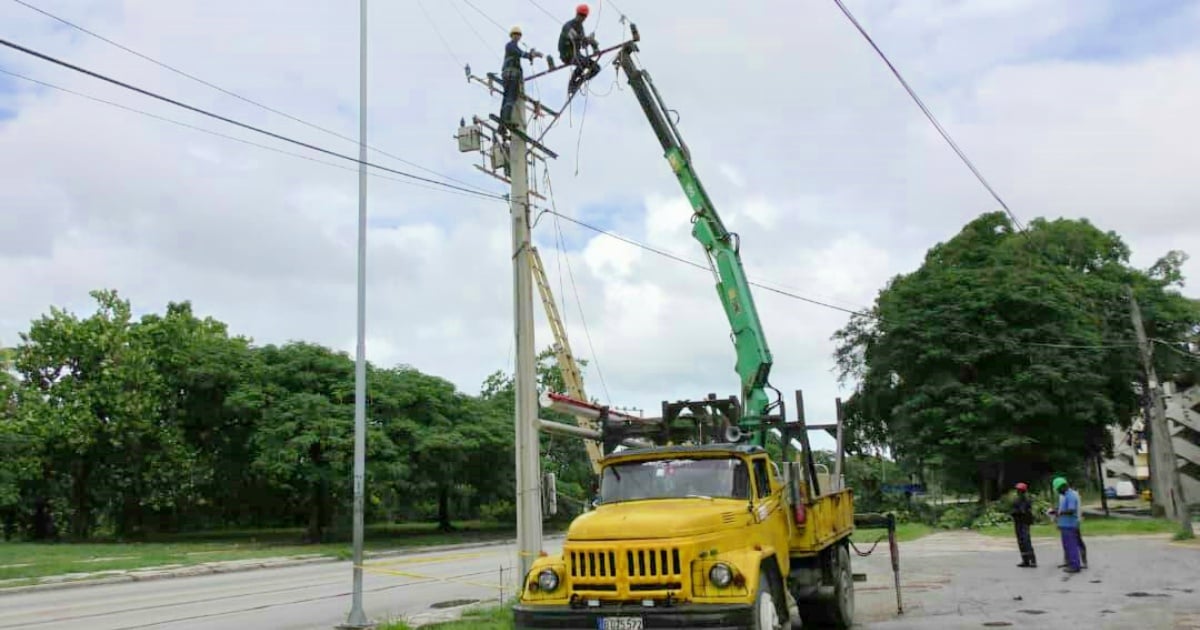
(97, 399)
(201, 366)
(1006, 353)
(303, 396)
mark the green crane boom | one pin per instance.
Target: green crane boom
(720, 245)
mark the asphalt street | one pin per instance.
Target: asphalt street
(966, 580)
(949, 580)
(294, 598)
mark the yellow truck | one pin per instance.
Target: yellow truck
(699, 536)
(696, 525)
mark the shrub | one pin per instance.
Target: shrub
(501, 511)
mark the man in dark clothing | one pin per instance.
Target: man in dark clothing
(511, 72)
(1022, 516)
(571, 44)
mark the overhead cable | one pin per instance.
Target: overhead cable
(226, 136)
(543, 10)
(561, 244)
(243, 125)
(230, 92)
(928, 114)
(693, 263)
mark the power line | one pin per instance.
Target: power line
(559, 241)
(486, 16)
(1170, 346)
(1053, 265)
(793, 295)
(695, 264)
(438, 31)
(243, 125)
(543, 10)
(928, 114)
(222, 135)
(478, 35)
(229, 92)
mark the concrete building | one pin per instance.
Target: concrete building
(1130, 460)
(1183, 414)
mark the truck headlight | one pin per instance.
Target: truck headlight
(548, 580)
(720, 575)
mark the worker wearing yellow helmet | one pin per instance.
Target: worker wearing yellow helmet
(511, 72)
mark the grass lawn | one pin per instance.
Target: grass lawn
(31, 560)
(1098, 526)
(495, 618)
(905, 532)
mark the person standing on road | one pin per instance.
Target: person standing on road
(1022, 516)
(1067, 516)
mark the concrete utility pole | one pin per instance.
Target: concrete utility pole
(529, 498)
(1162, 450)
(357, 618)
(507, 151)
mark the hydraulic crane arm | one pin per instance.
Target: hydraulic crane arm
(753, 356)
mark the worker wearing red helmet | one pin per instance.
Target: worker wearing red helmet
(1022, 516)
(572, 42)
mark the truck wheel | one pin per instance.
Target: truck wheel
(836, 611)
(841, 608)
(766, 614)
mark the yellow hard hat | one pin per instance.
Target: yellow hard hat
(516, 30)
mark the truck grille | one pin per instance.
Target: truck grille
(590, 564)
(626, 570)
(653, 562)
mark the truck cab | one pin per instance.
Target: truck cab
(683, 536)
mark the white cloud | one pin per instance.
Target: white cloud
(811, 151)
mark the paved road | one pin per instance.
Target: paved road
(294, 598)
(965, 580)
(950, 580)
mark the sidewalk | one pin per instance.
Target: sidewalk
(72, 580)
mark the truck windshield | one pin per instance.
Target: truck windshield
(724, 478)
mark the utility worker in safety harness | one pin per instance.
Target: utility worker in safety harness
(571, 44)
(512, 74)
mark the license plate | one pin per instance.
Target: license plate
(620, 623)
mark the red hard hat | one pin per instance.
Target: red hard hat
(581, 10)
(1022, 487)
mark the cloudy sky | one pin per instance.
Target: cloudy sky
(811, 149)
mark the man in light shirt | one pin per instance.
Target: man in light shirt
(1067, 517)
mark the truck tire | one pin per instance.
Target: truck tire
(835, 610)
(841, 608)
(766, 612)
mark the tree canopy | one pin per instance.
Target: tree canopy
(1007, 352)
(111, 425)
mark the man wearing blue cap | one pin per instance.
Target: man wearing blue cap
(1067, 516)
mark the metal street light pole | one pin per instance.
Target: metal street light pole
(357, 617)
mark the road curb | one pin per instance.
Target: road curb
(150, 574)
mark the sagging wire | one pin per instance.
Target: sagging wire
(574, 286)
(579, 140)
